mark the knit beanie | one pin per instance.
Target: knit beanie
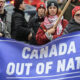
(41, 4)
(75, 9)
(52, 3)
(17, 3)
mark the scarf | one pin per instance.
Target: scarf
(50, 21)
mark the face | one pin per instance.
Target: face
(52, 10)
(41, 12)
(2, 3)
(77, 17)
(22, 6)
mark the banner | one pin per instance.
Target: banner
(57, 60)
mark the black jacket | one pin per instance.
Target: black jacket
(72, 27)
(34, 24)
(19, 26)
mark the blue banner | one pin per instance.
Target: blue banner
(57, 60)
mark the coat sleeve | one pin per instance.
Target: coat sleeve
(65, 25)
(66, 31)
(5, 32)
(41, 37)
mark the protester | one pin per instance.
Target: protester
(19, 26)
(4, 27)
(74, 24)
(47, 32)
(37, 20)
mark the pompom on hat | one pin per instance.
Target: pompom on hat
(75, 9)
(41, 4)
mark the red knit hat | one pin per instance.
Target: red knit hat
(75, 9)
(41, 4)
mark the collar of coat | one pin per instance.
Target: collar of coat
(18, 10)
(72, 21)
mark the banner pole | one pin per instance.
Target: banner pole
(62, 12)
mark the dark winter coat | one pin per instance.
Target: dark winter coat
(34, 24)
(19, 27)
(72, 27)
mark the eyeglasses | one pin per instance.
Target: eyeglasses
(77, 14)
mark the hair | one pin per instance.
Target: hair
(17, 3)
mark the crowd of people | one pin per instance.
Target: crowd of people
(40, 28)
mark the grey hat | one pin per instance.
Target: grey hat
(52, 3)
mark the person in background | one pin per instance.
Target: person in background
(36, 21)
(19, 27)
(4, 27)
(67, 14)
(47, 32)
(74, 23)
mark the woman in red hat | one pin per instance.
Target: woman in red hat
(47, 32)
(36, 21)
(74, 24)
